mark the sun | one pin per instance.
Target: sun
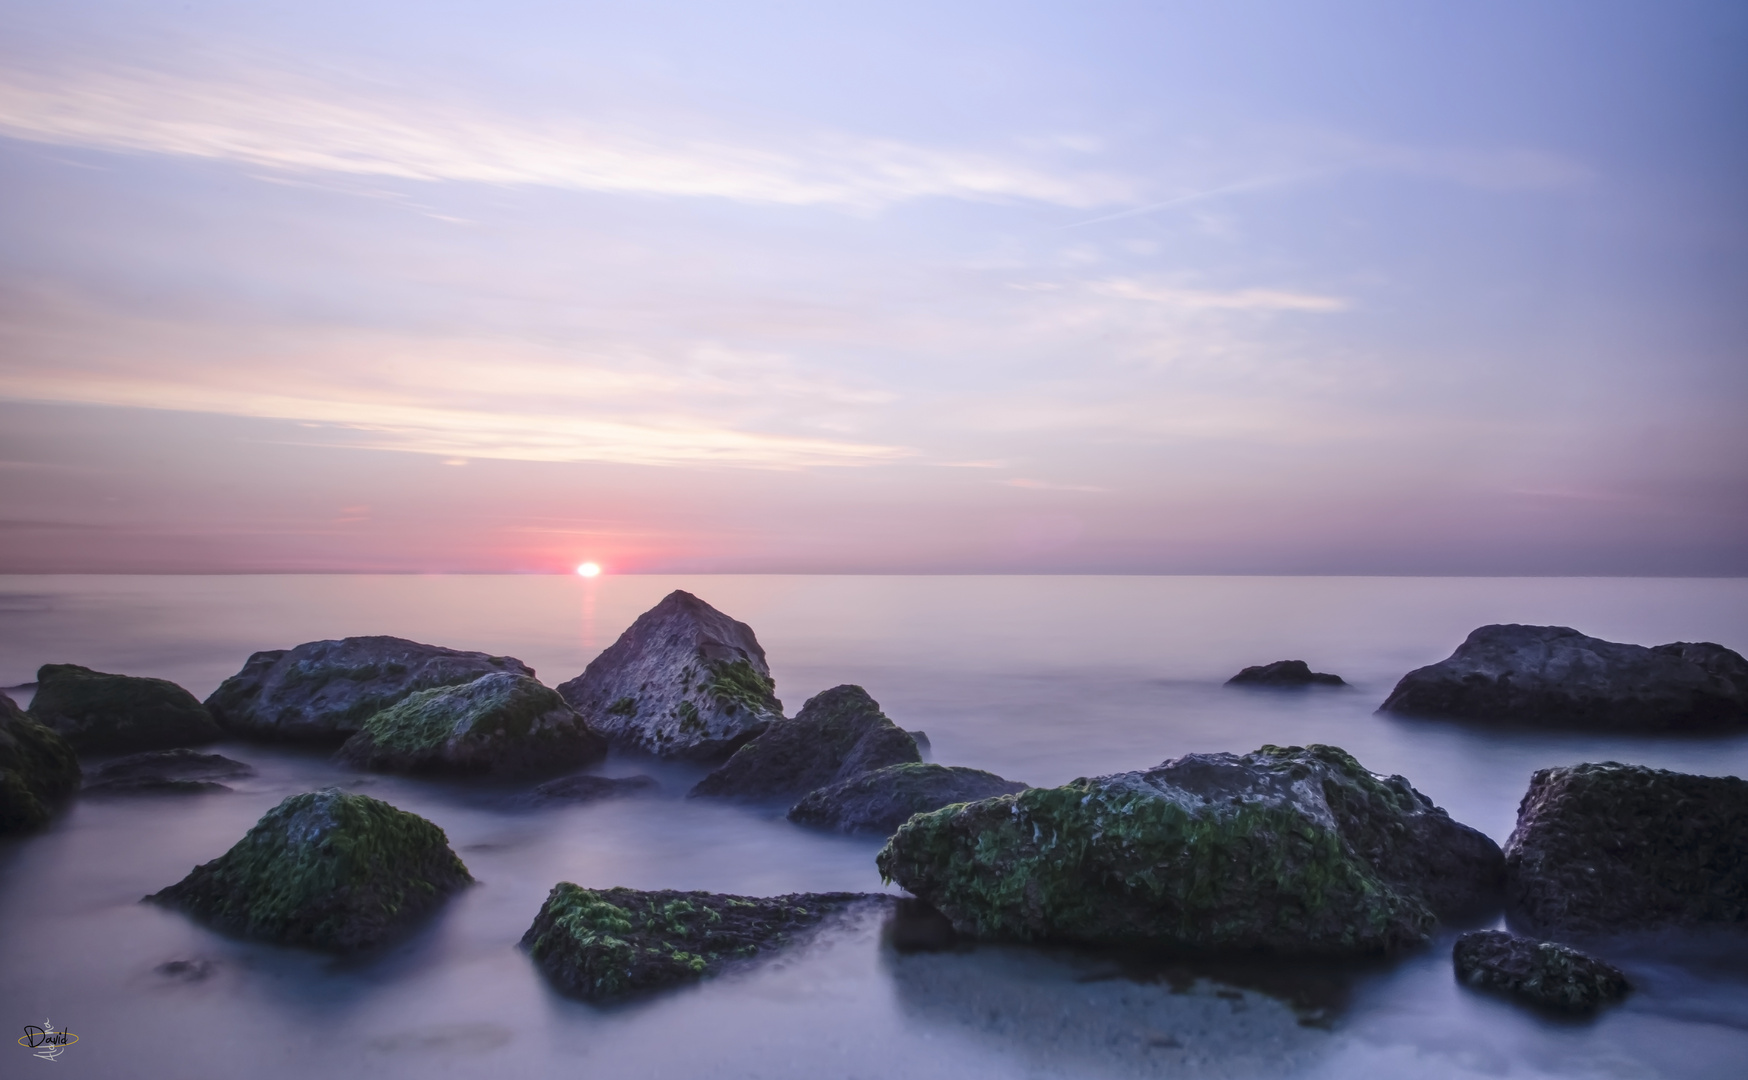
(589, 569)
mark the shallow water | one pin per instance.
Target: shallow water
(1039, 679)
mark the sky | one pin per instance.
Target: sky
(1382, 287)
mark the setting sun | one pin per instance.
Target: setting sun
(589, 569)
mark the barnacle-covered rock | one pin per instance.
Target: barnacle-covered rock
(1537, 972)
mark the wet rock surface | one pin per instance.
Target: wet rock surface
(1289, 850)
(324, 870)
(1539, 973)
(1602, 848)
(1556, 676)
(607, 944)
(324, 691)
(502, 724)
(581, 789)
(180, 771)
(1284, 673)
(839, 734)
(38, 770)
(100, 713)
(882, 800)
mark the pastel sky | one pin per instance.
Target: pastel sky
(1322, 287)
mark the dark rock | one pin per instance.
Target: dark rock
(38, 770)
(1538, 972)
(1609, 847)
(882, 800)
(592, 788)
(606, 944)
(152, 785)
(1553, 675)
(839, 734)
(185, 970)
(685, 681)
(180, 764)
(922, 743)
(1284, 673)
(500, 724)
(325, 870)
(1289, 850)
(323, 691)
(99, 713)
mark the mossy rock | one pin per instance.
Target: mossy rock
(1538, 973)
(839, 734)
(606, 944)
(500, 724)
(100, 713)
(324, 870)
(38, 770)
(1287, 850)
(882, 800)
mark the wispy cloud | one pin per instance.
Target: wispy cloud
(278, 120)
(1219, 300)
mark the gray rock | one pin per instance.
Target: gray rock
(38, 770)
(324, 870)
(501, 724)
(323, 691)
(1540, 973)
(882, 800)
(1602, 848)
(839, 734)
(100, 713)
(684, 681)
(1290, 850)
(152, 785)
(1284, 673)
(1553, 675)
(582, 789)
(179, 764)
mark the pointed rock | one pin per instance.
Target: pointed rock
(880, 801)
(323, 691)
(839, 734)
(684, 681)
(38, 770)
(100, 713)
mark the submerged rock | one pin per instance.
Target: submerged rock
(605, 944)
(100, 713)
(684, 681)
(1555, 675)
(38, 770)
(179, 771)
(325, 870)
(882, 800)
(323, 691)
(839, 734)
(1290, 850)
(500, 724)
(1284, 673)
(1601, 848)
(593, 788)
(1538, 972)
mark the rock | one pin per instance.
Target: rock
(1554, 675)
(500, 724)
(1538, 972)
(1284, 673)
(1601, 848)
(325, 870)
(165, 772)
(601, 945)
(99, 713)
(153, 785)
(1289, 850)
(593, 788)
(323, 691)
(37, 770)
(882, 800)
(839, 734)
(685, 681)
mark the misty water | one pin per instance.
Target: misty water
(1040, 679)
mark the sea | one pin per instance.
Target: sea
(1040, 679)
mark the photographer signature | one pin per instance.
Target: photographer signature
(48, 1042)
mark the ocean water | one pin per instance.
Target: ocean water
(1041, 679)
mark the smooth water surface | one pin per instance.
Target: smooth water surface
(1039, 679)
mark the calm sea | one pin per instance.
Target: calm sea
(1041, 679)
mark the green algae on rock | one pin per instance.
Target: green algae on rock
(1289, 850)
(38, 770)
(325, 870)
(100, 713)
(502, 724)
(1538, 972)
(605, 944)
(882, 800)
